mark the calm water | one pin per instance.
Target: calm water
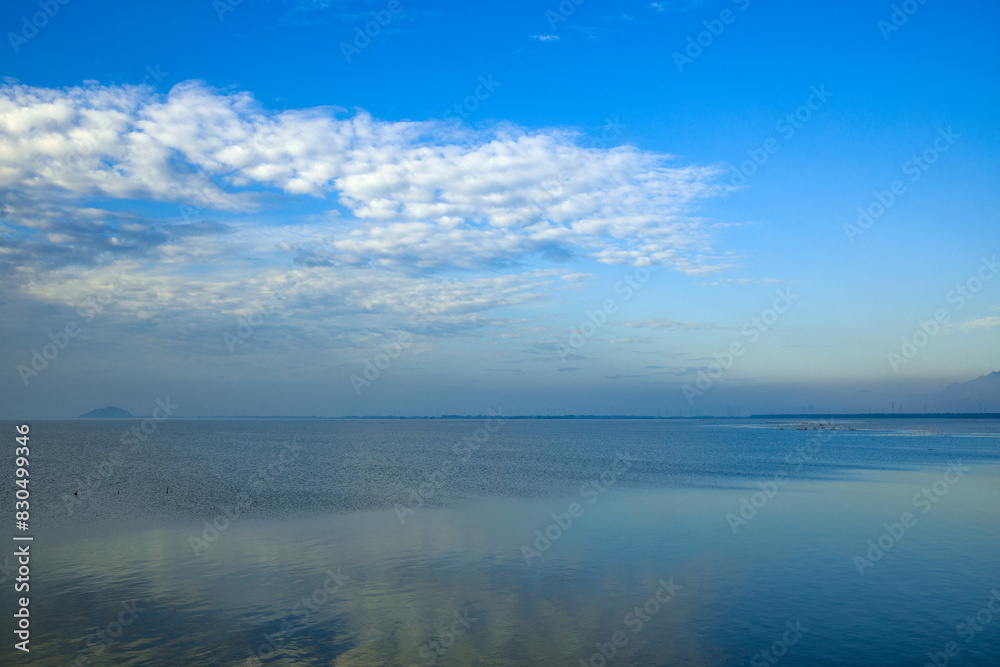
(512, 542)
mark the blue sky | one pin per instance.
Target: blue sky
(244, 167)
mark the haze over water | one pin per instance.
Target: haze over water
(465, 579)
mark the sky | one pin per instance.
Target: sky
(307, 207)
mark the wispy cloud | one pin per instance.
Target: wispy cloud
(991, 322)
(358, 11)
(675, 5)
(670, 325)
(624, 17)
(729, 282)
(680, 372)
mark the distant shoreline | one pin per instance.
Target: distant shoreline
(890, 415)
(813, 417)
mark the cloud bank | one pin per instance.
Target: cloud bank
(190, 191)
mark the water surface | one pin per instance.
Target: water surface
(533, 542)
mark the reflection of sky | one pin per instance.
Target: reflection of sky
(793, 560)
(346, 466)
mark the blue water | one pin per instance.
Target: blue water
(332, 556)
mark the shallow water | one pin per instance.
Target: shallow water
(332, 556)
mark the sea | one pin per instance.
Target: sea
(502, 541)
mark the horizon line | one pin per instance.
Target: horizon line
(814, 416)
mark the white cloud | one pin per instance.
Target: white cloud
(424, 194)
(85, 173)
(323, 302)
(87, 141)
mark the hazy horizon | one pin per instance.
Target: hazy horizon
(726, 403)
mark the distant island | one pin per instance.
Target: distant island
(885, 415)
(118, 413)
(110, 412)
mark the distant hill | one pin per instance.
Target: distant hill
(984, 389)
(979, 395)
(107, 413)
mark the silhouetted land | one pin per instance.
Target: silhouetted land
(118, 413)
